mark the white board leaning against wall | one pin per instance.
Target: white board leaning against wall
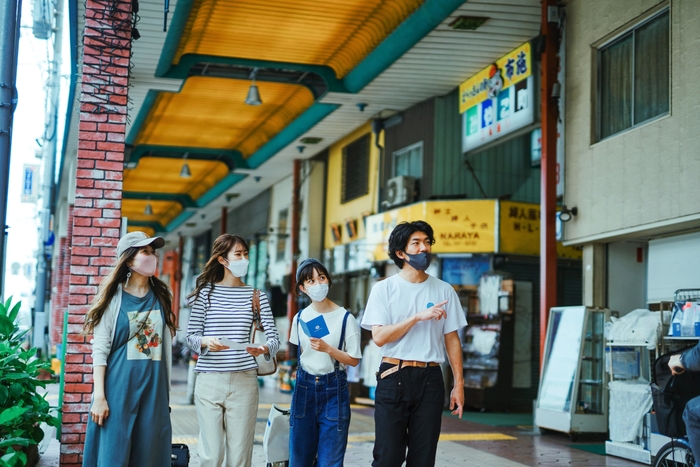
(674, 263)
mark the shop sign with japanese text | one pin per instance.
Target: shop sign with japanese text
(30, 183)
(459, 226)
(520, 231)
(498, 100)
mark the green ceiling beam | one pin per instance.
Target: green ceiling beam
(184, 200)
(157, 226)
(407, 34)
(303, 123)
(232, 158)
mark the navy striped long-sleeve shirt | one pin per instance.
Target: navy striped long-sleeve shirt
(228, 312)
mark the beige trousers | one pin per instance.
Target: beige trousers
(227, 406)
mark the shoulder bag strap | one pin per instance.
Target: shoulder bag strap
(257, 318)
(298, 337)
(342, 338)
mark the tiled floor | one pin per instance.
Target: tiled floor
(462, 443)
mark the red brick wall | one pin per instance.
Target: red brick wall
(97, 210)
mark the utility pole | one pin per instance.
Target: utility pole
(47, 190)
(292, 306)
(548, 197)
(9, 38)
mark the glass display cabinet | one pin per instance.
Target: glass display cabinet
(572, 396)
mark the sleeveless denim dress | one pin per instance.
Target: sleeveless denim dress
(137, 432)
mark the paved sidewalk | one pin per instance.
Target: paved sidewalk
(462, 443)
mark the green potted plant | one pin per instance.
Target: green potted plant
(22, 408)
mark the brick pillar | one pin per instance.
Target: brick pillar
(97, 209)
(62, 282)
(57, 305)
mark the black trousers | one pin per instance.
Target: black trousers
(407, 414)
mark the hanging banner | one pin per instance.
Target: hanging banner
(498, 100)
(30, 183)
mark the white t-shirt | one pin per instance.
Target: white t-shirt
(396, 299)
(321, 363)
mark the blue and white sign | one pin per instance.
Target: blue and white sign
(30, 183)
(465, 271)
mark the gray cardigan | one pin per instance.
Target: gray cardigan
(104, 334)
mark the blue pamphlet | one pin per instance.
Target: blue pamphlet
(315, 328)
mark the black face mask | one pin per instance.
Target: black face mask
(420, 262)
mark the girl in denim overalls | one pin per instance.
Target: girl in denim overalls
(320, 415)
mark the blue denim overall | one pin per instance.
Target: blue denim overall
(320, 415)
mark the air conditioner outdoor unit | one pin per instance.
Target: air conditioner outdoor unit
(400, 190)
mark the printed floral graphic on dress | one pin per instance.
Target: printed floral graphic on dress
(147, 342)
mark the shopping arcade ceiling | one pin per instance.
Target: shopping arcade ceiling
(388, 63)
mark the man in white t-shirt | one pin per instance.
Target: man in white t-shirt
(414, 318)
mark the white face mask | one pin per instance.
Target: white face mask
(238, 268)
(317, 292)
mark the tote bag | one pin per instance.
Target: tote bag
(276, 438)
(267, 364)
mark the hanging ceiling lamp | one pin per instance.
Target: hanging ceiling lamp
(185, 172)
(149, 210)
(253, 93)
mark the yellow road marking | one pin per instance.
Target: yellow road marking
(360, 438)
(185, 440)
(474, 437)
(368, 438)
(444, 437)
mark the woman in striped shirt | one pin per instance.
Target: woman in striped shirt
(226, 392)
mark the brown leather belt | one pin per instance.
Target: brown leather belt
(403, 364)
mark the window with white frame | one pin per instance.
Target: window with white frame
(409, 161)
(634, 76)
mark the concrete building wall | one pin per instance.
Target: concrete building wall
(311, 219)
(627, 267)
(279, 246)
(642, 180)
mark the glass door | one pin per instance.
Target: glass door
(561, 361)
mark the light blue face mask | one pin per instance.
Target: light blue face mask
(317, 293)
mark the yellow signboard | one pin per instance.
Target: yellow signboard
(520, 231)
(459, 226)
(508, 70)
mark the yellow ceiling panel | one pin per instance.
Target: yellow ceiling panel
(163, 211)
(162, 175)
(334, 33)
(151, 232)
(211, 113)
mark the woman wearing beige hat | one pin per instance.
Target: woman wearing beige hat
(133, 324)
